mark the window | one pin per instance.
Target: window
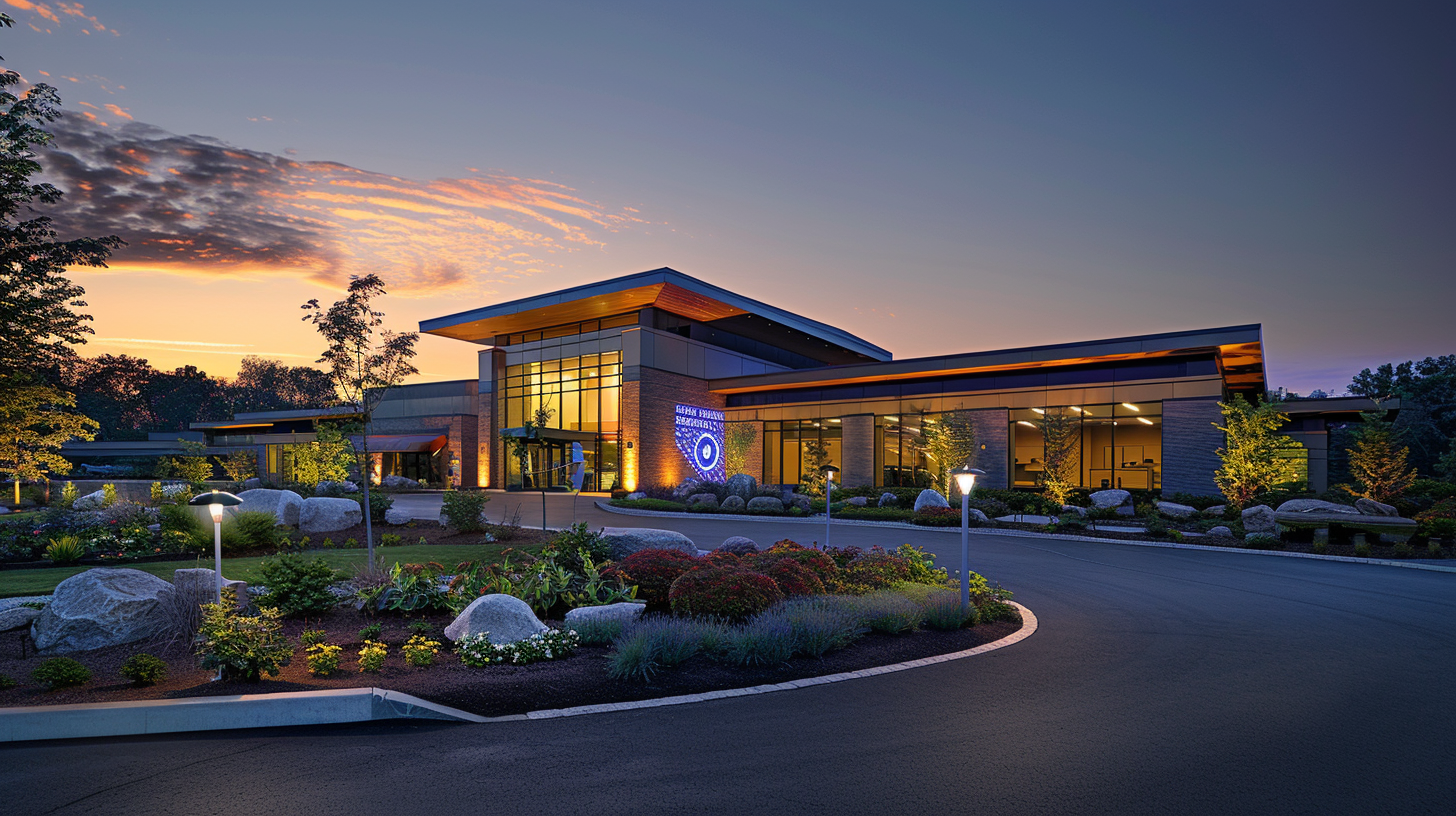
(784, 443)
(582, 394)
(1120, 446)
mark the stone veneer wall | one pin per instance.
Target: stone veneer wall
(1189, 442)
(857, 446)
(993, 438)
(658, 460)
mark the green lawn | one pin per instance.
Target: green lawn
(14, 583)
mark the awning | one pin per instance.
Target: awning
(414, 443)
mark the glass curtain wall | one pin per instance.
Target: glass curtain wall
(784, 447)
(582, 394)
(900, 451)
(1121, 446)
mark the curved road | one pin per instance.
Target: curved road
(1160, 682)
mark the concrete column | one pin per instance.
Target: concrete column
(857, 450)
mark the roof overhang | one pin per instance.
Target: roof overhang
(1238, 348)
(665, 288)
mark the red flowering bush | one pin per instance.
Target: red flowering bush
(794, 579)
(874, 570)
(654, 571)
(716, 592)
(816, 561)
(1439, 521)
(721, 558)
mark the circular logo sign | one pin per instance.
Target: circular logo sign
(705, 453)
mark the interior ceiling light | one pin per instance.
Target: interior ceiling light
(1039, 410)
(1024, 422)
(892, 419)
(1145, 420)
(834, 421)
(1129, 406)
(1078, 410)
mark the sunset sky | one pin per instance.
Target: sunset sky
(932, 177)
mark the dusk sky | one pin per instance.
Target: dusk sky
(934, 178)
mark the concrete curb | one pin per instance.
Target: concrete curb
(323, 707)
(1028, 628)
(900, 525)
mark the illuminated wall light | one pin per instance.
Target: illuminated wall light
(629, 469)
(1129, 406)
(1145, 420)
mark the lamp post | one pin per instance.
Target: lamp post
(965, 477)
(215, 501)
(828, 471)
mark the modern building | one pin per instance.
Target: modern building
(641, 370)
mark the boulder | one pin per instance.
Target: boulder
(743, 486)
(285, 505)
(1074, 510)
(399, 482)
(626, 540)
(703, 500)
(1371, 507)
(1221, 532)
(624, 613)
(396, 516)
(766, 504)
(199, 586)
(976, 515)
(1259, 519)
(17, 617)
(687, 488)
(90, 501)
(857, 501)
(350, 487)
(1103, 499)
(888, 500)
(324, 515)
(800, 501)
(505, 618)
(929, 498)
(734, 503)
(1175, 510)
(252, 484)
(635, 496)
(4, 511)
(1215, 511)
(738, 545)
(102, 607)
(1315, 506)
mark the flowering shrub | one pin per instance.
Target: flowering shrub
(794, 579)
(371, 656)
(420, 651)
(732, 594)
(1439, 521)
(323, 659)
(654, 571)
(939, 517)
(243, 647)
(553, 644)
(875, 570)
(820, 563)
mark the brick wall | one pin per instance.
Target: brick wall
(857, 460)
(462, 431)
(658, 394)
(1189, 442)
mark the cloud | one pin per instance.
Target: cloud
(61, 12)
(195, 205)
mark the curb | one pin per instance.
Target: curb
(1167, 545)
(323, 707)
(335, 706)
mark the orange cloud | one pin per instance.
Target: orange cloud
(53, 14)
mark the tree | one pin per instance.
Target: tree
(191, 467)
(1255, 457)
(363, 369)
(738, 438)
(326, 459)
(269, 385)
(38, 317)
(1062, 436)
(240, 465)
(1446, 465)
(950, 441)
(1427, 393)
(811, 479)
(35, 420)
(520, 445)
(1382, 471)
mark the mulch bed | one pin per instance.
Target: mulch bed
(497, 690)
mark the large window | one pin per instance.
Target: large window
(582, 394)
(1119, 446)
(900, 456)
(785, 448)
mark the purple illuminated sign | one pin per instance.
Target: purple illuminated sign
(699, 436)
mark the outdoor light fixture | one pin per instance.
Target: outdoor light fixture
(215, 501)
(1145, 420)
(828, 471)
(1129, 406)
(965, 478)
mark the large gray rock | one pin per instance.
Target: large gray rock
(703, 500)
(1074, 510)
(324, 515)
(687, 488)
(800, 501)
(1175, 510)
(976, 515)
(505, 618)
(1315, 506)
(17, 617)
(888, 500)
(1104, 499)
(738, 545)
(734, 503)
(929, 498)
(1259, 519)
(624, 613)
(1221, 532)
(626, 540)
(857, 501)
(396, 516)
(766, 504)
(1215, 511)
(635, 496)
(1371, 507)
(398, 482)
(90, 501)
(743, 486)
(102, 607)
(252, 484)
(199, 585)
(285, 505)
